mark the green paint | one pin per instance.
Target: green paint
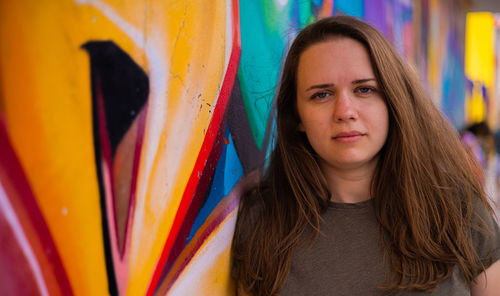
(305, 13)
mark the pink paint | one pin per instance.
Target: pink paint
(119, 267)
(120, 257)
(141, 122)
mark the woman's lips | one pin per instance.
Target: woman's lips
(348, 137)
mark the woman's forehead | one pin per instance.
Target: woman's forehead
(331, 60)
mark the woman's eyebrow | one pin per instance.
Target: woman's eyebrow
(363, 80)
(326, 85)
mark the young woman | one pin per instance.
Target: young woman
(368, 190)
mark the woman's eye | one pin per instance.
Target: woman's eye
(320, 95)
(365, 90)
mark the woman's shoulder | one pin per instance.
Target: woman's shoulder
(486, 240)
(485, 233)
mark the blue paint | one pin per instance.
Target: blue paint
(454, 83)
(295, 17)
(402, 15)
(227, 173)
(350, 7)
(317, 2)
(233, 170)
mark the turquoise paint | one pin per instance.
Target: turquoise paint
(306, 16)
(267, 27)
(263, 34)
(272, 142)
(350, 7)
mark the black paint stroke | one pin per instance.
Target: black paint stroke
(125, 89)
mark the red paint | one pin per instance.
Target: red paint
(106, 164)
(216, 218)
(196, 201)
(226, 206)
(208, 143)
(326, 9)
(26, 209)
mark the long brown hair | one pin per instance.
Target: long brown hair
(424, 187)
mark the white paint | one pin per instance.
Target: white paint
(132, 32)
(22, 240)
(407, 3)
(205, 259)
(229, 34)
(281, 3)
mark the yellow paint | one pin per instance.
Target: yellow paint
(46, 95)
(216, 279)
(46, 99)
(432, 47)
(195, 48)
(479, 64)
(477, 106)
(479, 47)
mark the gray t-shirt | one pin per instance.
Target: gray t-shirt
(348, 259)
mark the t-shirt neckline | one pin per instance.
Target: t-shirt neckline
(345, 205)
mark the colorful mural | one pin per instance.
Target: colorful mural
(481, 68)
(129, 129)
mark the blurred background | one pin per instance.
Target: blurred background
(129, 128)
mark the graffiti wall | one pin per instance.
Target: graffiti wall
(129, 129)
(481, 67)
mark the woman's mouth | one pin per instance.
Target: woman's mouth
(348, 137)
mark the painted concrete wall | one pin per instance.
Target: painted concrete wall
(128, 130)
(482, 51)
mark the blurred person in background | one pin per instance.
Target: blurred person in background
(480, 142)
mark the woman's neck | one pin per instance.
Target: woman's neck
(349, 186)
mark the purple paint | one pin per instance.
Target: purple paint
(375, 14)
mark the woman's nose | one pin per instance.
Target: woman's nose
(344, 108)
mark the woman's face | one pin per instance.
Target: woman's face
(340, 106)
